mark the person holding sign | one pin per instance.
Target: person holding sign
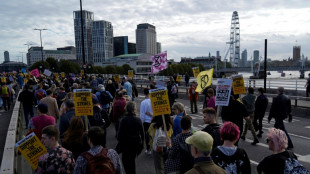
(159, 141)
(146, 115)
(57, 159)
(178, 109)
(130, 138)
(193, 97)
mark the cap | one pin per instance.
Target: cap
(125, 77)
(201, 140)
(100, 86)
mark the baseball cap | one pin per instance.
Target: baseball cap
(201, 140)
(100, 87)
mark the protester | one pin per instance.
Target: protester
(5, 95)
(157, 134)
(130, 138)
(74, 138)
(134, 89)
(201, 146)
(99, 118)
(308, 86)
(282, 160)
(39, 93)
(261, 104)
(94, 83)
(249, 102)
(104, 97)
(193, 97)
(61, 94)
(98, 159)
(280, 108)
(232, 159)
(146, 115)
(235, 112)
(211, 101)
(118, 110)
(172, 91)
(111, 88)
(28, 101)
(209, 117)
(186, 79)
(57, 159)
(42, 120)
(180, 159)
(128, 86)
(64, 121)
(52, 104)
(63, 107)
(179, 111)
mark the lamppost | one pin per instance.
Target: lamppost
(22, 56)
(28, 45)
(41, 44)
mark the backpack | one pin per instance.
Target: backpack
(293, 166)
(40, 94)
(104, 98)
(97, 119)
(174, 91)
(99, 164)
(186, 158)
(5, 90)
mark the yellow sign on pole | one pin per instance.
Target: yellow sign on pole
(130, 73)
(82, 72)
(238, 84)
(3, 79)
(25, 81)
(63, 74)
(83, 102)
(27, 76)
(31, 148)
(195, 71)
(56, 75)
(204, 79)
(179, 78)
(116, 78)
(160, 101)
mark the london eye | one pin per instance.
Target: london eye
(234, 40)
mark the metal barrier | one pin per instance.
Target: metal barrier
(13, 163)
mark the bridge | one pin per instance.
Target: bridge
(277, 68)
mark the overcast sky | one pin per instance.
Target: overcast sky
(185, 28)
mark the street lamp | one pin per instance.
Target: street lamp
(28, 45)
(22, 56)
(41, 43)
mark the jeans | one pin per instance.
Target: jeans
(258, 126)
(27, 111)
(146, 134)
(280, 125)
(6, 103)
(193, 102)
(249, 126)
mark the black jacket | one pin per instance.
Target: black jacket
(280, 107)
(27, 98)
(214, 131)
(261, 104)
(234, 112)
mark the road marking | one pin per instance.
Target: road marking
(254, 162)
(307, 127)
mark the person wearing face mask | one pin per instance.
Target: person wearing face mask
(28, 101)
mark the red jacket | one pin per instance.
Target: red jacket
(190, 91)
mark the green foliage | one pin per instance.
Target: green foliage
(53, 64)
(69, 67)
(38, 64)
(181, 69)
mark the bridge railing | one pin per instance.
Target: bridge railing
(12, 162)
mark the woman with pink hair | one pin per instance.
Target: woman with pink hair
(232, 159)
(276, 163)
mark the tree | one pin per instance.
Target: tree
(53, 64)
(38, 64)
(69, 67)
(110, 69)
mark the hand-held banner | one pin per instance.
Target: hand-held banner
(35, 73)
(195, 71)
(160, 101)
(160, 62)
(223, 90)
(204, 79)
(238, 84)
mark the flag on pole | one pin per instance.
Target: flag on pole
(160, 62)
(35, 73)
(204, 79)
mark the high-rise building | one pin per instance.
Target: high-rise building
(244, 58)
(132, 48)
(296, 53)
(88, 18)
(146, 39)
(120, 45)
(217, 54)
(158, 45)
(256, 56)
(6, 56)
(102, 42)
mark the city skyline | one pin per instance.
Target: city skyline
(184, 28)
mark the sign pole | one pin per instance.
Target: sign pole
(164, 123)
(86, 123)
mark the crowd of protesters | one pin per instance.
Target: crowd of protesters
(78, 146)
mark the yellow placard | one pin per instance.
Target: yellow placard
(56, 75)
(238, 85)
(160, 101)
(83, 103)
(31, 148)
(196, 71)
(179, 78)
(3, 79)
(63, 74)
(25, 80)
(116, 78)
(130, 73)
(82, 72)
(28, 76)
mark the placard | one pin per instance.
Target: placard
(3, 79)
(63, 74)
(223, 90)
(83, 102)
(35, 73)
(160, 101)
(82, 72)
(196, 71)
(116, 78)
(130, 73)
(47, 72)
(238, 84)
(31, 148)
(179, 78)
